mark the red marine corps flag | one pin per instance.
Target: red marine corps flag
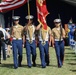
(6, 5)
(42, 12)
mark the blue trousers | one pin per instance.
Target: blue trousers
(0, 50)
(3, 50)
(59, 48)
(17, 52)
(30, 49)
(44, 50)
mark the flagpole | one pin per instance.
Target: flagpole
(8, 22)
(60, 27)
(28, 9)
(0, 1)
(12, 16)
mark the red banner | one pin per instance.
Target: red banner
(42, 12)
(7, 5)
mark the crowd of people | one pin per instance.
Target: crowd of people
(29, 37)
(70, 35)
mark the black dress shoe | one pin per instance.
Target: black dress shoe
(47, 64)
(15, 67)
(8, 56)
(4, 59)
(43, 66)
(59, 66)
(29, 66)
(34, 64)
(20, 65)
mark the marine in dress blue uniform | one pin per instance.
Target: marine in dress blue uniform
(30, 43)
(16, 34)
(58, 41)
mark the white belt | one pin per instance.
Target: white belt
(42, 39)
(58, 39)
(29, 38)
(17, 38)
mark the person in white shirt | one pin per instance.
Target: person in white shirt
(3, 43)
(8, 42)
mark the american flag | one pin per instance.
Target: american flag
(7, 5)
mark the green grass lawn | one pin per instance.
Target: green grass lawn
(69, 67)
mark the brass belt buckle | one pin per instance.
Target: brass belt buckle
(16, 38)
(43, 42)
(30, 41)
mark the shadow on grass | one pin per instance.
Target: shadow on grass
(39, 66)
(74, 56)
(71, 59)
(71, 63)
(70, 53)
(73, 70)
(7, 65)
(12, 66)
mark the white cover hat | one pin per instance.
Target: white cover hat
(29, 17)
(57, 20)
(7, 28)
(15, 17)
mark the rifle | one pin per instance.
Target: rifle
(12, 16)
(60, 28)
(28, 3)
